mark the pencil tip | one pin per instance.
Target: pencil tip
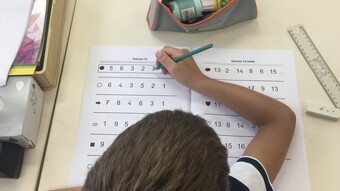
(159, 67)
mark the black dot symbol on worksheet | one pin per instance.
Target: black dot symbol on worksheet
(91, 144)
(101, 67)
(207, 69)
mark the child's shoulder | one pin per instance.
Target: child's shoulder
(249, 174)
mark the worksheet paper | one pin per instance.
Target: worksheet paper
(122, 86)
(14, 15)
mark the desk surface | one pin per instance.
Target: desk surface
(119, 23)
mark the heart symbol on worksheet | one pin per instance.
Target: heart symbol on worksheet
(19, 85)
(207, 103)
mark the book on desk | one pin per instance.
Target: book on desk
(44, 65)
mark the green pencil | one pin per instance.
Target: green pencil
(179, 58)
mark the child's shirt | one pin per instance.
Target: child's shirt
(248, 174)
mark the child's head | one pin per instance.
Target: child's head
(167, 150)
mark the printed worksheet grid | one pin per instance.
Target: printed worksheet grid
(136, 88)
(126, 92)
(234, 131)
(123, 85)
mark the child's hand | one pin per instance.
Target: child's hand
(186, 71)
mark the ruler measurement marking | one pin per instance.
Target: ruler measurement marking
(316, 62)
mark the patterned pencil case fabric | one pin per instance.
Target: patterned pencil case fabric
(160, 17)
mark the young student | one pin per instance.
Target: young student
(175, 150)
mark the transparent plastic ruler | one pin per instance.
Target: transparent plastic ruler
(316, 62)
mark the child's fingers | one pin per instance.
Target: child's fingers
(164, 59)
(164, 71)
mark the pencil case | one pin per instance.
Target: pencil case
(160, 17)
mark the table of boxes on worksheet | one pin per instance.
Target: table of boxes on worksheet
(122, 86)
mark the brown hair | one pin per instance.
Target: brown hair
(167, 150)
